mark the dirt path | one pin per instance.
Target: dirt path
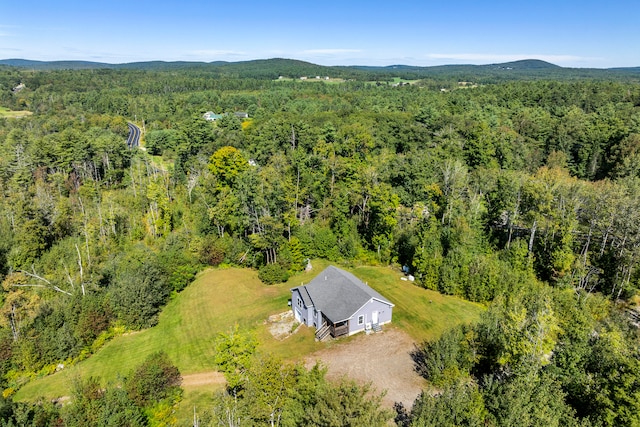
(382, 359)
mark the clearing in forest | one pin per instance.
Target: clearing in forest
(6, 113)
(221, 298)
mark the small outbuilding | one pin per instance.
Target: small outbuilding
(337, 303)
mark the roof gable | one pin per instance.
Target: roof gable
(339, 294)
(304, 294)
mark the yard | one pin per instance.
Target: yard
(220, 298)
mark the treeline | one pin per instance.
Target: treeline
(541, 356)
(147, 396)
(269, 69)
(482, 192)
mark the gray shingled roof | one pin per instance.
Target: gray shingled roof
(339, 294)
(305, 296)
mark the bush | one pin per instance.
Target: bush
(154, 380)
(273, 273)
(182, 275)
(212, 252)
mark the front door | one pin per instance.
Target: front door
(374, 317)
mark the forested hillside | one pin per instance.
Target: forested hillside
(523, 195)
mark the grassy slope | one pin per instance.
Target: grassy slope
(422, 313)
(220, 298)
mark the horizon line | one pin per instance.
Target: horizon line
(312, 63)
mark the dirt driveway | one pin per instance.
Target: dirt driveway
(381, 358)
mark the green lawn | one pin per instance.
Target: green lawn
(218, 299)
(6, 113)
(422, 313)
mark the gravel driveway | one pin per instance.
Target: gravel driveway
(381, 358)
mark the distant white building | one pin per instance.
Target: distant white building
(211, 116)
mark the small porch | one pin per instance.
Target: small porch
(334, 330)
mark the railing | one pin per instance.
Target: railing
(338, 331)
(323, 332)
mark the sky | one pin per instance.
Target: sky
(570, 33)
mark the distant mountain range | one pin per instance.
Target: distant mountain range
(273, 68)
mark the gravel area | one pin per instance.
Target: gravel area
(382, 359)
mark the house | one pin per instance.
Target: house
(211, 116)
(337, 303)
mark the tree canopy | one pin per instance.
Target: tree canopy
(519, 194)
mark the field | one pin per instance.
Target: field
(6, 113)
(395, 81)
(332, 80)
(221, 298)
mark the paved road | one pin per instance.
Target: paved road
(134, 136)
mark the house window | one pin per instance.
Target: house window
(361, 319)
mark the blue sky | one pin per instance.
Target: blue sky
(570, 33)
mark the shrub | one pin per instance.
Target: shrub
(212, 252)
(154, 380)
(273, 273)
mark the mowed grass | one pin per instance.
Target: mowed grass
(219, 299)
(6, 113)
(422, 313)
(186, 331)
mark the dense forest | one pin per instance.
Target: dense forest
(522, 195)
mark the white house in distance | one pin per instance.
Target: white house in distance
(337, 303)
(213, 117)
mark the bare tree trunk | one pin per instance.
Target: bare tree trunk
(36, 276)
(533, 234)
(585, 250)
(296, 202)
(103, 233)
(516, 211)
(81, 270)
(86, 229)
(12, 321)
